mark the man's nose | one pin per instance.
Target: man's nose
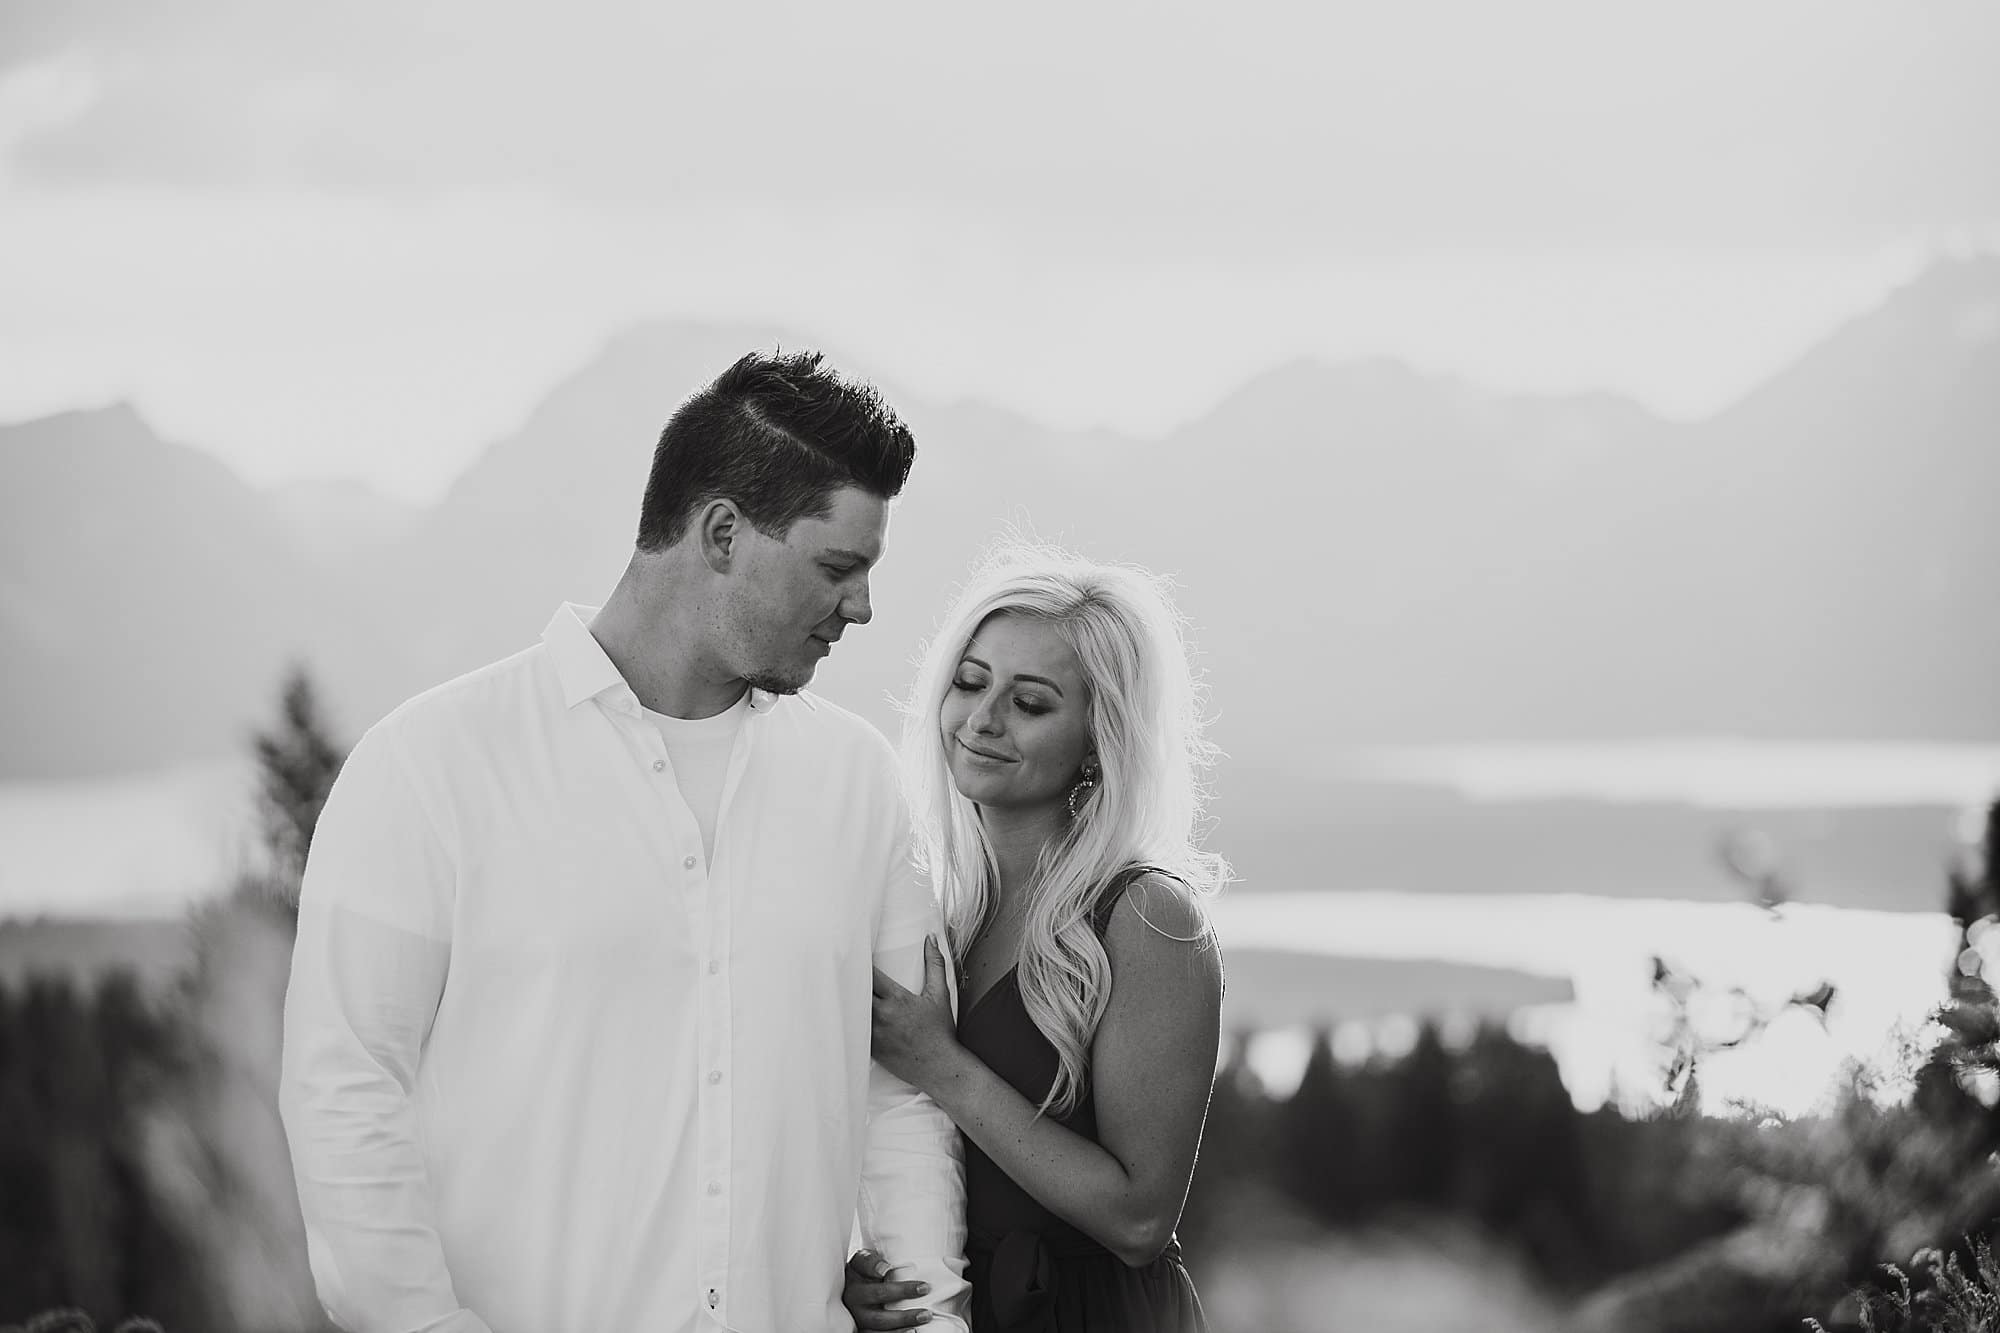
(855, 607)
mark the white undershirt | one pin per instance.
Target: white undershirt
(699, 749)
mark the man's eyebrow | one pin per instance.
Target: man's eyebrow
(854, 556)
(1036, 680)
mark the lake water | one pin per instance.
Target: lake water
(1719, 773)
(134, 845)
(1628, 819)
(1888, 970)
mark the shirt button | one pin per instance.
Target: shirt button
(715, 1076)
(714, 966)
(659, 765)
(687, 862)
(714, 1188)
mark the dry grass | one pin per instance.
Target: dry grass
(1420, 1281)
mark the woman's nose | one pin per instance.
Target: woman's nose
(985, 716)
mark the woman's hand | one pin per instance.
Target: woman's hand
(915, 1036)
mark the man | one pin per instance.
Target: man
(578, 1027)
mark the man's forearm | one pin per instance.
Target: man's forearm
(345, 1097)
(913, 1194)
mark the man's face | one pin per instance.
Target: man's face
(790, 600)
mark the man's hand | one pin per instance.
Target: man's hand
(869, 1292)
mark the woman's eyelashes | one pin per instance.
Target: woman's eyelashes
(1026, 703)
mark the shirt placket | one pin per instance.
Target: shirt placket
(716, 1119)
(713, 1144)
(708, 916)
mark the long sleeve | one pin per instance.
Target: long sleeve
(913, 1167)
(368, 973)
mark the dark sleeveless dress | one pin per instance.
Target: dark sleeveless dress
(1032, 1272)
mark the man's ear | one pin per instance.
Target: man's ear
(719, 528)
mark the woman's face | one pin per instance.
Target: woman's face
(1015, 722)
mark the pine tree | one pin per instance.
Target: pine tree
(297, 762)
(1324, 1164)
(1232, 1182)
(1523, 1167)
(1423, 1147)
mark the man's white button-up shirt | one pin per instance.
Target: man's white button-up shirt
(550, 1069)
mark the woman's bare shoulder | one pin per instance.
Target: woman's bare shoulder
(1155, 912)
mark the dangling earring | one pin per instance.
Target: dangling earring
(1081, 791)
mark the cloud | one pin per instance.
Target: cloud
(1540, 121)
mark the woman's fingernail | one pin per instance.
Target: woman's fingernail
(923, 1289)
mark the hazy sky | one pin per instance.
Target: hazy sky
(364, 239)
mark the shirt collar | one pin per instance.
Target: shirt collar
(586, 671)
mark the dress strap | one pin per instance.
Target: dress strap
(1100, 915)
(1107, 901)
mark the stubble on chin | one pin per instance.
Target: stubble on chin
(773, 683)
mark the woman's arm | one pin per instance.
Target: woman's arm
(1152, 1068)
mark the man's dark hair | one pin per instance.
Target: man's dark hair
(778, 435)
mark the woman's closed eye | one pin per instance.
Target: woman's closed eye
(1030, 704)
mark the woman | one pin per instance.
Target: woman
(1052, 746)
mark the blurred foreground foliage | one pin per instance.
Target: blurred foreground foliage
(143, 1169)
(1946, 1296)
(1668, 1222)
(70, 1320)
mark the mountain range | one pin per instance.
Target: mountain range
(1366, 553)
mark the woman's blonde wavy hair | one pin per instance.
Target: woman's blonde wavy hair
(1145, 720)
